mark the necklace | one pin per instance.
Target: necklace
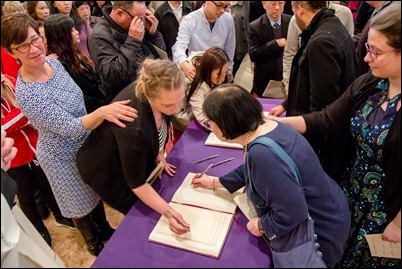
(247, 140)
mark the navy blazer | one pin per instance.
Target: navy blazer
(264, 51)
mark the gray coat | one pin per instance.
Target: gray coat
(118, 56)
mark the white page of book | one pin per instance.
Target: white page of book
(245, 205)
(213, 140)
(208, 230)
(219, 199)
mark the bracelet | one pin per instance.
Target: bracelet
(213, 183)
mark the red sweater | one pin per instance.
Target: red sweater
(9, 65)
(18, 128)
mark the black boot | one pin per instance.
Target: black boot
(102, 225)
(87, 229)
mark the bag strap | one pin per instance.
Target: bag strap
(281, 153)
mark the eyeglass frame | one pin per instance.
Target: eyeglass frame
(29, 44)
(128, 13)
(219, 7)
(374, 54)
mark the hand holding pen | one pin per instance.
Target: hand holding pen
(207, 182)
(199, 180)
(176, 222)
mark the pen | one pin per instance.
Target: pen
(207, 158)
(224, 161)
(206, 169)
(213, 165)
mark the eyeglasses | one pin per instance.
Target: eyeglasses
(24, 48)
(221, 7)
(207, 124)
(128, 13)
(276, 3)
(374, 54)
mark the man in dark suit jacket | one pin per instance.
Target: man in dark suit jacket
(169, 22)
(267, 39)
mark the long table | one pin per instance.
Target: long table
(129, 246)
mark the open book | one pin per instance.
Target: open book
(155, 173)
(245, 205)
(213, 140)
(209, 213)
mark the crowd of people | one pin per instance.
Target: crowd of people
(122, 79)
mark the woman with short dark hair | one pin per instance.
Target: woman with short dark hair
(282, 205)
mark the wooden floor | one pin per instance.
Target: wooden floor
(69, 244)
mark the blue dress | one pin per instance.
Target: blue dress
(289, 205)
(364, 181)
(55, 108)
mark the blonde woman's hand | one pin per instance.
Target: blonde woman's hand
(176, 222)
(170, 169)
(120, 111)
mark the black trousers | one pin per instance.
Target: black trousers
(29, 178)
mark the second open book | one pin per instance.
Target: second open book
(209, 213)
(213, 140)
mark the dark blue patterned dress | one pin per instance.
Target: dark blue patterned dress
(364, 181)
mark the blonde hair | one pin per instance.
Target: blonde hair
(7, 92)
(156, 74)
(12, 6)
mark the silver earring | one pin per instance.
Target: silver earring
(18, 61)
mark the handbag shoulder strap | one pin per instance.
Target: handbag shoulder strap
(281, 153)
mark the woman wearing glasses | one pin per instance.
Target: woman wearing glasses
(54, 105)
(367, 119)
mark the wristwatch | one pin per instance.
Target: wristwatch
(260, 227)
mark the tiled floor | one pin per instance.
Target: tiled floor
(70, 245)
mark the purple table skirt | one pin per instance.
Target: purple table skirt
(129, 246)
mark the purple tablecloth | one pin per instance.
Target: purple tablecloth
(129, 246)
